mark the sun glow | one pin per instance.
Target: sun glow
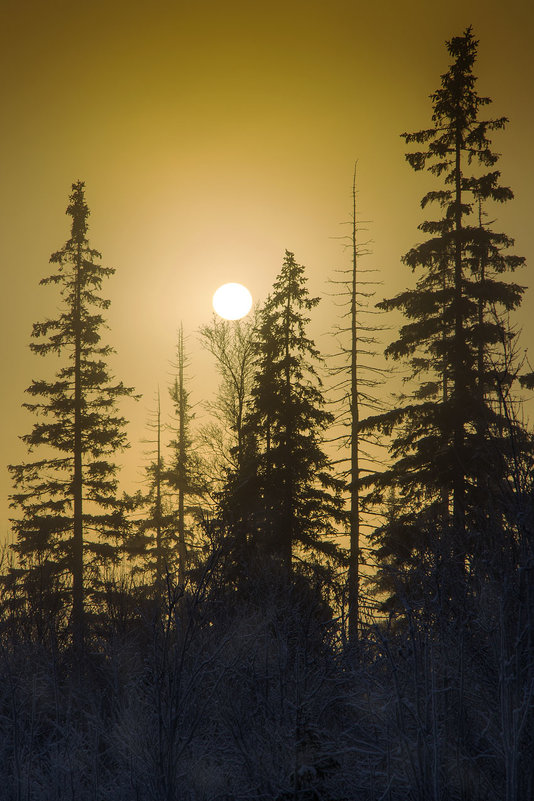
(232, 301)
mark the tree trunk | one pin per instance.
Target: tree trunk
(77, 482)
(159, 543)
(287, 532)
(354, 571)
(182, 455)
(459, 362)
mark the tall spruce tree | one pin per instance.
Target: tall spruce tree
(298, 501)
(449, 443)
(183, 475)
(70, 515)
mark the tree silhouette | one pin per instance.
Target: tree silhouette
(71, 517)
(183, 475)
(231, 344)
(152, 540)
(357, 373)
(449, 443)
(297, 498)
(228, 453)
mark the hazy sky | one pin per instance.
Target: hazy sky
(212, 135)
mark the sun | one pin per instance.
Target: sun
(232, 301)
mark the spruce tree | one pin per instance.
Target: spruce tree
(298, 501)
(183, 475)
(165, 511)
(449, 443)
(70, 516)
(152, 541)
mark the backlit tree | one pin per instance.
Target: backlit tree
(298, 501)
(70, 518)
(450, 438)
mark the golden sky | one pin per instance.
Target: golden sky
(212, 135)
